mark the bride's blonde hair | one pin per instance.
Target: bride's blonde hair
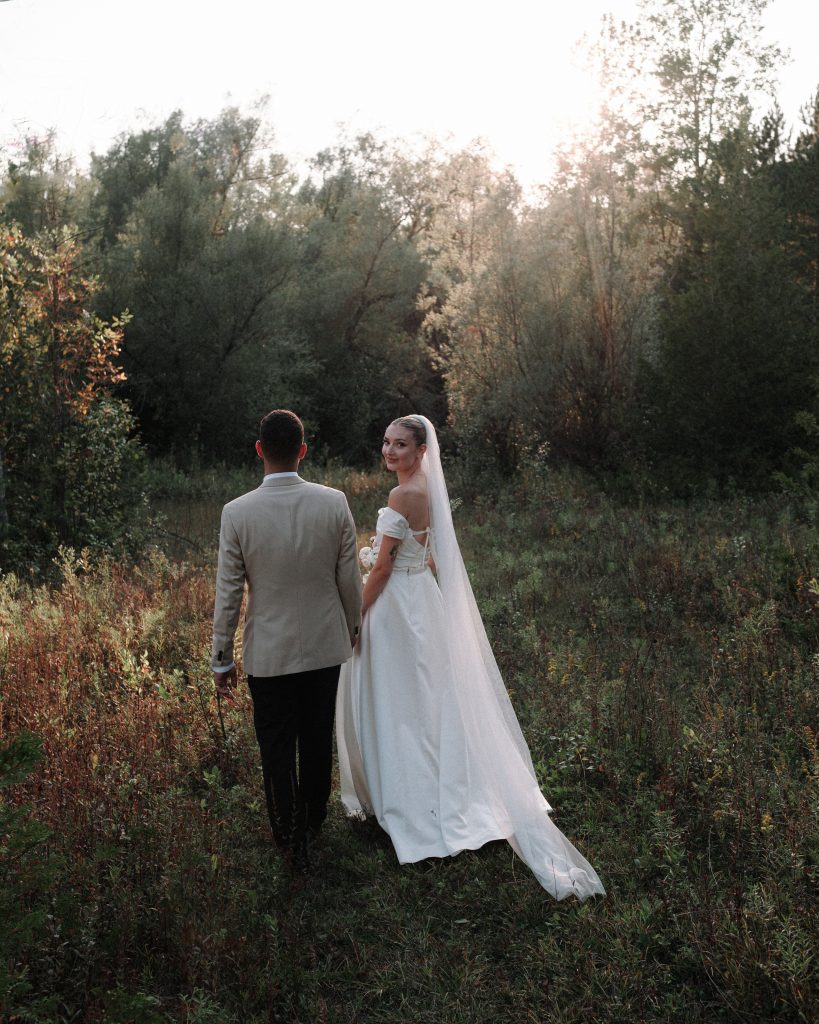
(414, 425)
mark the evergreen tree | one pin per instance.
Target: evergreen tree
(738, 354)
(42, 190)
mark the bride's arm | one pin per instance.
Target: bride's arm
(381, 571)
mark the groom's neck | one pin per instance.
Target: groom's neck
(280, 467)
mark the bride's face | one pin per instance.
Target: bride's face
(399, 449)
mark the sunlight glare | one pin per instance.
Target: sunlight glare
(510, 74)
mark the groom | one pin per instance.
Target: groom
(294, 545)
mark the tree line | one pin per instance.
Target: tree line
(651, 314)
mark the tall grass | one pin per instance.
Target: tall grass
(663, 663)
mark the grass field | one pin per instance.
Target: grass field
(663, 663)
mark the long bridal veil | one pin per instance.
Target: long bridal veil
(494, 736)
(476, 671)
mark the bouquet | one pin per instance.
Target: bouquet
(368, 557)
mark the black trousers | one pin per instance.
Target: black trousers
(293, 716)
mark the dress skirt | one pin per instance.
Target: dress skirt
(429, 754)
(402, 749)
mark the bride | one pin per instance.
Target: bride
(428, 740)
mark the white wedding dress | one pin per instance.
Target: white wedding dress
(426, 740)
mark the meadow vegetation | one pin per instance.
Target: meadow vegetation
(662, 660)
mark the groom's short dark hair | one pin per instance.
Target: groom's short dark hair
(282, 435)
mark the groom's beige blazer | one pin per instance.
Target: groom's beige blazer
(293, 543)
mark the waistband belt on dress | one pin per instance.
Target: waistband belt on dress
(411, 570)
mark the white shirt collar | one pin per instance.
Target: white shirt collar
(271, 476)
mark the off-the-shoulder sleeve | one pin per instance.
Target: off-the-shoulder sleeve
(391, 524)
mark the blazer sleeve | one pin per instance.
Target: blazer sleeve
(230, 586)
(348, 578)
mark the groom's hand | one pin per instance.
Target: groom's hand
(226, 682)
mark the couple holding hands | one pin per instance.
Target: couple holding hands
(428, 741)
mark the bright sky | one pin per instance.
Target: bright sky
(454, 69)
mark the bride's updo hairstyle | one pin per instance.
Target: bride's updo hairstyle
(414, 425)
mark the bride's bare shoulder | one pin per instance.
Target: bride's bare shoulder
(398, 498)
(410, 500)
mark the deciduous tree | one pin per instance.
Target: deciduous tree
(67, 456)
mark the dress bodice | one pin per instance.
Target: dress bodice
(414, 549)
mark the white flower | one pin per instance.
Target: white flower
(367, 556)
